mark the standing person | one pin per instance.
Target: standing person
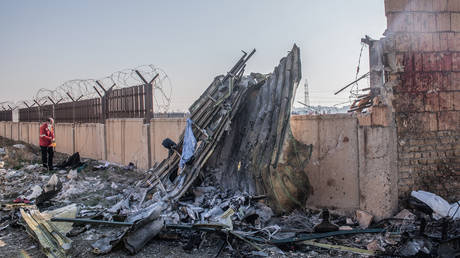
(47, 142)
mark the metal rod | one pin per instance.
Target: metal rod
(111, 87)
(98, 93)
(142, 78)
(52, 101)
(79, 98)
(351, 83)
(156, 76)
(100, 85)
(92, 221)
(70, 96)
(300, 102)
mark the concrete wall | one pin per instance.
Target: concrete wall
(89, 140)
(15, 131)
(120, 140)
(63, 132)
(333, 168)
(353, 163)
(135, 143)
(34, 132)
(378, 174)
(127, 142)
(24, 132)
(8, 130)
(2, 129)
(15, 115)
(162, 128)
(115, 140)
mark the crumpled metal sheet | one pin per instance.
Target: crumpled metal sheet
(52, 241)
(146, 226)
(106, 244)
(136, 239)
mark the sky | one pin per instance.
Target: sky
(45, 43)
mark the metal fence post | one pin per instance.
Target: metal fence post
(149, 112)
(104, 111)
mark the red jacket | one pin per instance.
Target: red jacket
(46, 135)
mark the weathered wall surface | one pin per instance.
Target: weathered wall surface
(127, 142)
(115, 140)
(333, 168)
(162, 128)
(64, 138)
(24, 132)
(378, 174)
(353, 163)
(34, 132)
(2, 129)
(119, 140)
(8, 130)
(136, 149)
(423, 49)
(15, 131)
(89, 140)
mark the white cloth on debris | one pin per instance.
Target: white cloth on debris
(441, 208)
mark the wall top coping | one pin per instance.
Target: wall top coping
(169, 119)
(323, 117)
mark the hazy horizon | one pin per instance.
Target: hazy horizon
(45, 43)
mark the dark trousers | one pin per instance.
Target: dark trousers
(47, 156)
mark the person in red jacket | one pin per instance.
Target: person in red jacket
(46, 143)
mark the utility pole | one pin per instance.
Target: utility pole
(306, 93)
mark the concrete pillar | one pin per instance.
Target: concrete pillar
(15, 115)
(378, 176)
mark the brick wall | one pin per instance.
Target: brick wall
(423, 40)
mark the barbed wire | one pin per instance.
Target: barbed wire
(82, 89)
